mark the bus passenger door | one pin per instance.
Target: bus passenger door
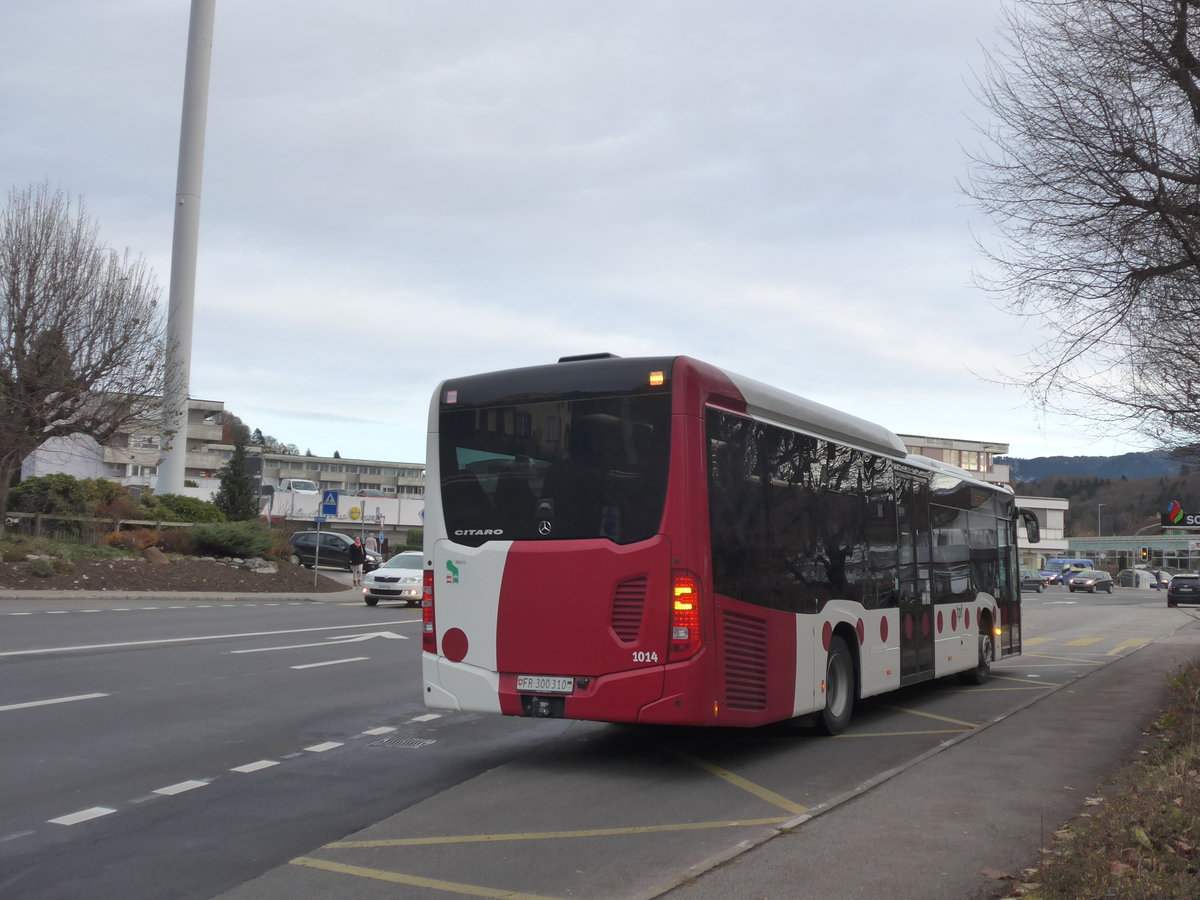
(916, 596)
(1008, 589)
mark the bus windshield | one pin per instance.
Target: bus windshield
(556, 469)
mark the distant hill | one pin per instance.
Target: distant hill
(1116, 505)
(1130, 466)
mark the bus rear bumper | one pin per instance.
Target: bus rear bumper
(458, 686)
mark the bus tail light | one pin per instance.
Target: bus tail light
(685, 615)
(428, 634)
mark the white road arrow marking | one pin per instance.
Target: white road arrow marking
(34, 703)
(184, 640)
(331, 641)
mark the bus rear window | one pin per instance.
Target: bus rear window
(556, 470)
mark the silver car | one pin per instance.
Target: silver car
(397, 579)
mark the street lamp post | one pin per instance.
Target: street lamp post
(1099, 506)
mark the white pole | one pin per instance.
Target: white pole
(183, 247)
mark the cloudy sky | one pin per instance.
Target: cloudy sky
(396, 192)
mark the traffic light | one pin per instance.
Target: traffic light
(1145, 554)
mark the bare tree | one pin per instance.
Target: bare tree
(1091, 170)
(81, 331)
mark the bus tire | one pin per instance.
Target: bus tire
(839, 688)
(983, 671)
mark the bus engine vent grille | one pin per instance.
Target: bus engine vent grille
(627, 608)
(745, 661)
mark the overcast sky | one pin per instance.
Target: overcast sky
(396, 192)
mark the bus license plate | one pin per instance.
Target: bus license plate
(545, 684)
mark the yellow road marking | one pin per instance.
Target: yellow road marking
(994, 690)
(549, 835)
(1031, 642)
(875, 734)
(917, 712)
(739, 782)
(1084, 642)
(1030, 683)
(1131, 644)
(1074, 659)
(471, 890)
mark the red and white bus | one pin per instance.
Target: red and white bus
(657, 540)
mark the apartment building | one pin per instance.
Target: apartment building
(132, 459)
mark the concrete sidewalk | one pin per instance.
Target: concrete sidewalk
(943, 826)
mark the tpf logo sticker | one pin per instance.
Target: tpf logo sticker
(454, 571)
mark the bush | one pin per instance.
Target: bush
(176, 540)
(121, 540)
(61, 494)
(15, 551)
(241, 539)
(186, 509)
(281, 547)
(41, 568)
(121, 506)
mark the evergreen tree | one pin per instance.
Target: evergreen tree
(236, 495)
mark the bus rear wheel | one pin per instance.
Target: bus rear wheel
(839, 688)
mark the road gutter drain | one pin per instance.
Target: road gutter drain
(410, 743)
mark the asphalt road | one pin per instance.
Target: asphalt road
(159, 749)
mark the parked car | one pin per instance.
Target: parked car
(1090, 580)
(397, 579)
(1031, 580)
(334, 550)
(369, 492)
(1183, 588)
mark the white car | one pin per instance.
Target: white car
(397, 579)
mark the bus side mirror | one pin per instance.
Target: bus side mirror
(1033, 529)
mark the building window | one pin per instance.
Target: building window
(144, 442)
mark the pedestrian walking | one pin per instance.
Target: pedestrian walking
(357, 556)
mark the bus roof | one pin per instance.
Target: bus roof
(775, 405)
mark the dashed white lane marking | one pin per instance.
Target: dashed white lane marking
(57, 612)
(332, 662)
(321, 748)
(96, 812)
(183, 786)
(83, 815)
(33, 703)
(255, 766)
